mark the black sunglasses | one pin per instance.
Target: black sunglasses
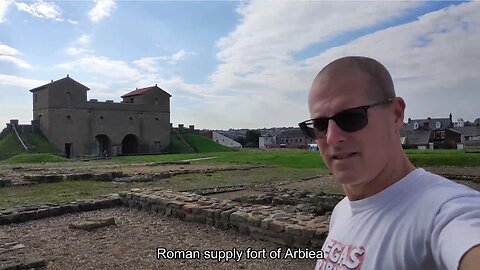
(349, 120)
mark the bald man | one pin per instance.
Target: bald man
(394, 216)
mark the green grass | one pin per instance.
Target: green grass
(308, 159)
(34, 158)
(53, 192)
(10, 146)
(288, 159)
(42, 145)
(68, 191)
(456, 158)
(202, 144)
(177, 147)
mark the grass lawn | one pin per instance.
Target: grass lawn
(202, 144)
(309, 159)
(287, 164)
(288, 159)
(71, 190)
(10, 146)
(34, 158)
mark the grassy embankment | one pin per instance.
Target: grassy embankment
(12, 152)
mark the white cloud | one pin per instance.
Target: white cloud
(74, 51)
(6, 50)
(4, 4)
(178, 56)
(433, 60)
(8, 54)
(102, 9)
(25, 83)
(78, 48)
(270, 32)
(16, 61)
(148, 64)
(41, 9)
(84, 40)
(99, 65)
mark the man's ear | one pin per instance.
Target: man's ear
(398, 109)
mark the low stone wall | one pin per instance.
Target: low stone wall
(263, 222)
(119, 176)
(23, 214)
(296, 200)
(14, 255)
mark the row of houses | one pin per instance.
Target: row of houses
(429, 133)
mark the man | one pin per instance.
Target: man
(394, 216)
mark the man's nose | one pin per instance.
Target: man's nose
(335, 134)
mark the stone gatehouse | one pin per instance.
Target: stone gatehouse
(79, 127)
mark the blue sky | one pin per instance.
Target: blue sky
(232, 64)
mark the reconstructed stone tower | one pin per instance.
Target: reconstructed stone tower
(139, 124)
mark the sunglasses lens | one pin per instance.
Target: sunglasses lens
(320, 126)
(352, 120)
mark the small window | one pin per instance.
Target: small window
(156, 118)
(101, 117)
(438, 125)
(131, 118)
(443, 134)
(415, 125)
(68, 117)
(156, 101)
(131, 100)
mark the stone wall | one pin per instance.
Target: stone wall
(117, 176)
(26, 213)
(265, 222)
(296, 200)
(14, 255)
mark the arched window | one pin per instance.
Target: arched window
(415, 125)
(438, 125)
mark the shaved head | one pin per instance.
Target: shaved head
(381, 84)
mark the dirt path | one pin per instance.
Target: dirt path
(132, 243)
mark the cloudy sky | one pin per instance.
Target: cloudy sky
(245, 64)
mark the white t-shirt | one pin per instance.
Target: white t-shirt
(423, 221)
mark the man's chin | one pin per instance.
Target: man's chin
(345, 177)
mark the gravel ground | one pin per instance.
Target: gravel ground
(132, 243)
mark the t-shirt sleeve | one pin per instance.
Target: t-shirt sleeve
(456, 229)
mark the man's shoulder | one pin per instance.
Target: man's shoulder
(436, 192)
(435, 185)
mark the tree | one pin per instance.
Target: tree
(241, 140)
(251, 138)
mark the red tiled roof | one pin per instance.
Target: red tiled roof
(138, 92)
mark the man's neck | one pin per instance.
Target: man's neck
(391, 174)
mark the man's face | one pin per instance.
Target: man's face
(357, 157)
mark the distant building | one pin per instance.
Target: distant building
(294, 138)
(139, 124)
(430, 133)
(470, 133)
(267, 142)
